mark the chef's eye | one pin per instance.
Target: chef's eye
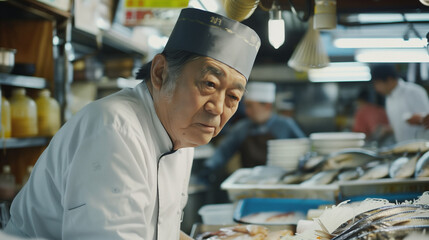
(234, 98)
(210, 84)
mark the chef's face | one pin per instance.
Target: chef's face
(205, 96)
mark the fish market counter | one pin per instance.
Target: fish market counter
(265, 182)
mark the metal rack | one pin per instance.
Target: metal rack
(24, 142)
(26, 82)
(22, 81)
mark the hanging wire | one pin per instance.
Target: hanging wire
(307, 13)
(410, 28)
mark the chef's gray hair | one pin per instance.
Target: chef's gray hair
(176, 60)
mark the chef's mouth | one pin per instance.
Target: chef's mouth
(207, 127)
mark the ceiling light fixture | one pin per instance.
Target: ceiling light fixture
(310, 52)
(341, 72)
(379, 43)
(392, 55)
(276, 26)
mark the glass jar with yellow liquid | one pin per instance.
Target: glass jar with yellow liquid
(5, 131)
(23, 114)
(48, 114)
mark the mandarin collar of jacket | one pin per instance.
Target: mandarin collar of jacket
(163, 139)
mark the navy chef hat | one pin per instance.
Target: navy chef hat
(212, 35)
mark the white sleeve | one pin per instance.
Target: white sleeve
(106, 190)
(419, 101)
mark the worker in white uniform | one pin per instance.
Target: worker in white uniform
(406, 103)
(120, 168)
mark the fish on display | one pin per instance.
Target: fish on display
(408, 146)
(403, 167)
(377, 172)
(391, 233)
(350, 158)
(324, 177)
(311, 161)
(349, 174)
(296, 177)
(407, 216)
(422, 166)
(393, 217)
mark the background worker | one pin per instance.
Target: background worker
(406, 103)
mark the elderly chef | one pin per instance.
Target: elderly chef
(119, 169)
(249, 136)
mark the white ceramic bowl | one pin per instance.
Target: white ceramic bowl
(337, 136)
(338, 143)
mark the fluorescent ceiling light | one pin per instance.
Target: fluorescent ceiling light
(379, 43)
(391, 17)
(392, 55)
(341, 72)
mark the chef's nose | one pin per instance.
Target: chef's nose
(216, 104)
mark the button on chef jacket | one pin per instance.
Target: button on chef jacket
(109, 173)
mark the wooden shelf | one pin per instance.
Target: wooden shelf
(24, 142)
(112, 42)
(22, 81)
(38, 9)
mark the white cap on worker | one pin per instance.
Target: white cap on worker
(261, 92)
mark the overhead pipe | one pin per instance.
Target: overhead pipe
(240, 9)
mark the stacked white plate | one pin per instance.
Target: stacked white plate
(285, 153)
(329, 142)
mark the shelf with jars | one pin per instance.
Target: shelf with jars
(39, 32)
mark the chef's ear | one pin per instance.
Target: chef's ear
(158, 71)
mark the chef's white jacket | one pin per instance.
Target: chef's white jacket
(109, 173)
(407, 99)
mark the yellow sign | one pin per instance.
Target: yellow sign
(156, 3)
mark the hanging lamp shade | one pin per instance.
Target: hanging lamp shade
(310, 52)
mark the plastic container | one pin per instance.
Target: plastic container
(250, 206)
(23, 114)
(48, 114)
(214, 214)
(5, 131)
(7, 184)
